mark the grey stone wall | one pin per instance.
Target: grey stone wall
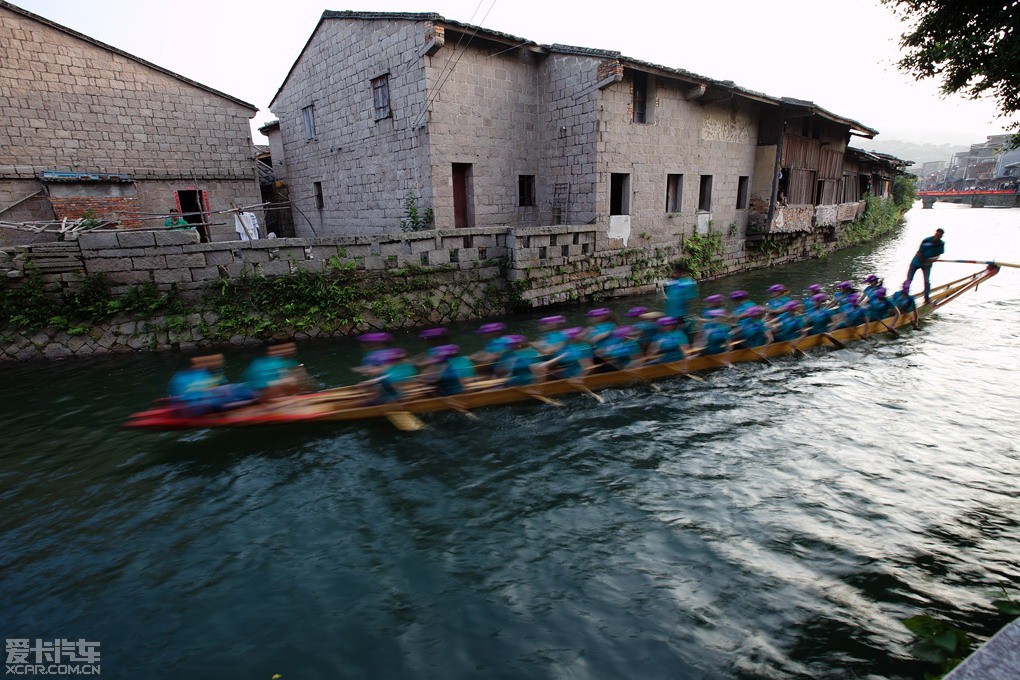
(365, 166)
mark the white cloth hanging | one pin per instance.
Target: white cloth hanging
(246, 225)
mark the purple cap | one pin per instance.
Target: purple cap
(714, 299)
(494, 327)
(378, 336)
(853, 298)
(844, 285)
(515, 340)
(777, 288)
(445, 351)
(819, 297)
(430, 333)
(636, 311)
(716, 313)
(667, 321)
(547, 320)
(738, 295)
(622, 331)
(601, 311)
(814, 288)
(880, 292)
(871, 278)
(906, 286)
(574, 332)
(791, 306)
(754, 311)
(394, 354)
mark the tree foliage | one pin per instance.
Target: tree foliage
(972, 45)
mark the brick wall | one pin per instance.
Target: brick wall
(71, 105)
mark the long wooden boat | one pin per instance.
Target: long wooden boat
(347, 403)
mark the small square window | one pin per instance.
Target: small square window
(308, 116)
(526, 190)
(381, 96)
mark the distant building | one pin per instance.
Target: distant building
(385, 111)
(89, 127)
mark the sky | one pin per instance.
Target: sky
(840, 54)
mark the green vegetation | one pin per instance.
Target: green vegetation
(415, 219)
(702, 254)
(881, 216)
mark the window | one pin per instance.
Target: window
(619, 194)
(308, 114)
(674, 188)
(705, 194)
(525, 190)
(742, 182)
(381, 96)
(319, 203)
(640, 98)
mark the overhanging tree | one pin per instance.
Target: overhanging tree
(972, 45)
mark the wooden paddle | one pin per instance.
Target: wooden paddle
(576, 382)
(890, 328)
(990, 262)
(405, 421)
(833, 340)
(540, 397)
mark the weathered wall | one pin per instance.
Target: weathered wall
(71, 105)
(682, 137)
(366, 166)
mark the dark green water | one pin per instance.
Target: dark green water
(775, 522)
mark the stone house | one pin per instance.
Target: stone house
(86, 126)
(487, 129)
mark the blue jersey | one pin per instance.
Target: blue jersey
(670, 345)
(717, 337)
(454, 372)
(776, 304)
(788, 326)
(570, 365)
(601, 333)
(552, 341)
(751, 332)
(679, 295)
(904, 302)
(264, 371)
(647, 330)
(621, 352)
(818, 321)
(520, 364)
(854, 315)
(879, 308)
(929, 248)
(743, 307)
(496, 345)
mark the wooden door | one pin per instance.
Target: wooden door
(461, 195)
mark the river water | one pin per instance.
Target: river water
(774, 522)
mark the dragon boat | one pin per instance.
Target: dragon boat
(348, 403)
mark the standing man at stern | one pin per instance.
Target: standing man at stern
(931, 248)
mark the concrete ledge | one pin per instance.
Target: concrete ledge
(997, 659)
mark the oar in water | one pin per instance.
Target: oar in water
(890, 328)
(576, 382)
(540, 397)
(405, 421)
(459, 407)
(684, 373)
(833, 340)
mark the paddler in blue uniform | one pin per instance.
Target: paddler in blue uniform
(741, 304)
(433, 337)
(680, 292)
(873, 282)
(194, 390)
(622, 350)
(374, 346)
(600, 327)
(495, 344)
(644, 320)
(788, 325)
(449, 370)
(931, 249)
(392, 379)
(552, 338)
(851, 313)
(778, 298)
(843, 288)
(575, 359)
(879, 306)
(750, 330)
(522, 363)
(818, 319)
(714, 301)
(904, 302)
(715, 332)
(670, 343)
(276, 374)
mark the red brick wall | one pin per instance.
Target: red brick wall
(105, 208)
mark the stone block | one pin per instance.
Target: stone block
(254, 256)
(124, 278)
(186, 260)
(136, 239)
(177, 237)
(310, 265)
(108, 264)
(98, 240)
(277, 268)
(219, 257)
(205, 273)
(157, 262)
(171, 275)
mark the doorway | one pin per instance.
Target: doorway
(193, 205)
(462, 196)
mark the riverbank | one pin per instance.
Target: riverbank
(158, 291)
